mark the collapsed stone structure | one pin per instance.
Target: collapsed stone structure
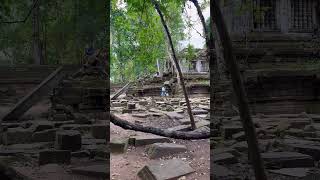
(277, 47)
(278, 53)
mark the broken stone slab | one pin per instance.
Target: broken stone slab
(142, 140)
(100, 171)
(44, 136)
(226, 150)
(118, 145)
(41, 125)
(292, 172)
(174, 115)
(202, 123)
(225, 158)
(165, 170)
(100, 131)
(17, 136)
(131, 106)
(81, 119)
(229, 130)
(180, 128)
(287, 160)
(54, 157)
(60, 117)
(240, 136)
(222, 173)
(311, 150)
(158, 150)
(80, 154)
(68, 140)
(199, 111)
(300, 133)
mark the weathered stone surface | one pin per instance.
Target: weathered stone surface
(93, 170)
(54, 156)
(174, 115)
(226, 150)
(180, 128)
(44, 136)
(222, 173)
(292, 172)
(80, 154)
(41, 125)
(17, 136)
(229, 130)
(60, 117)
(199, 111)
(131, 106)
(81, 119)
(240, 136)
(118, 145)
(310, 150)
(100, 131)
(68, 140)
(287, 160)
(148, 139)
(158, 150)
(224, 158)
(165, 170)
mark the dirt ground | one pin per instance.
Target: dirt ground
(126, 166)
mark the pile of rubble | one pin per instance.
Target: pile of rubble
(163, 153)
(289, 144)
(61, 138)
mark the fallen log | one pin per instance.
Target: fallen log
(157, 131)
(121, 91)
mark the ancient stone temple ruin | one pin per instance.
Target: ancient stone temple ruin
(276, 43)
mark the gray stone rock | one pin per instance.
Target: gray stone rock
(131, 106)
(224, 158)
(100, 131)
(158, 150)
(68, 140)
(44, 136)
(222, 173)
(165, 170)
(229, 130)
(148, 139)
(17, 136)
(292, 172)
(287, 160)
(240, 136)
(174, 115)
(42, 125)
(118, 145)
(99, 171)
(55, 157)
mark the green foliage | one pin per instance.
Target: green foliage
(191, 53)
(138, 39)
(66, 28)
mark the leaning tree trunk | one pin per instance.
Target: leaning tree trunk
(239, 90)
(37, 46)
(156, 5)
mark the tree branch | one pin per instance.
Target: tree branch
(25, 19)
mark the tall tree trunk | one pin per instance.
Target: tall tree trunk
(239, 90)
(208, 34)
(156, 5)
(37, 45)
